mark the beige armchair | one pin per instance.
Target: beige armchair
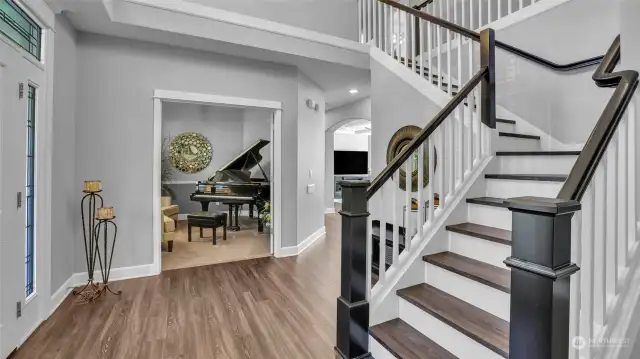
(169, 221)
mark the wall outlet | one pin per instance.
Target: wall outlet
(19, 309)
(311, 188)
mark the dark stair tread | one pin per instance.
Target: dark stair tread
(494, 277)
(537, 153)
(488, 201)
(484, 232)
(502, 120)
(483, 327)
(528, 177)
(405, 342)
(518, 135)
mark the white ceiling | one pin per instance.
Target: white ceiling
(335, 79)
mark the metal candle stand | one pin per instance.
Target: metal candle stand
(89, 291)
(105, 259)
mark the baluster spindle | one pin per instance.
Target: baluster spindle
(407, 200)
(471, 15)
(414, 54)
(499, 10)
(432, 177)
(600, 232)
(450, 159)
(382, 245)
(480, 8)
(611, 165)
(360, 20)
(399, 38)
(462, 146)
(509, 7)
(489, 10)
(369, 252)
(439, 50)
(622, 202)
(395, 206)
(470, 135)
(521, 3)
(370, 16)
(429, 57)
(574, 298)
(631, 176)
(421, 39)
(388, 38)
(407, 41)
(441, 161)
(587, 286)
(421, 219)
(374, 13)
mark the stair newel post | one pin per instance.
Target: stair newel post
(353, 308)
(488, 83)
(540, 270)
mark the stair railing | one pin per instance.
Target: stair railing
(434, 168)
(592, 222)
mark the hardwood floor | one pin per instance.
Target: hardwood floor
(261, 308)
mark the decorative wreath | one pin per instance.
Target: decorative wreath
(398, 142)
(190, 152)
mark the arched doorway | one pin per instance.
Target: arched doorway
(347, 135)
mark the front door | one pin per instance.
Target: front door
(21, 106)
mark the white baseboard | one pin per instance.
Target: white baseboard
(61, 294)
(297, 250)
(117, 274)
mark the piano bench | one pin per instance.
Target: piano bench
(207, 220)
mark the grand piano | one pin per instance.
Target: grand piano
(233, 186)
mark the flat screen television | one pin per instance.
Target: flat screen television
(350, 163)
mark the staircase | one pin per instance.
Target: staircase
(462, 310)
(532, 253)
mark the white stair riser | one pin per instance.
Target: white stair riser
(489, 216)
(479, 249)
(475, 293)
(517, 144)
(378, 351)
(506, 127)
(536, 164)
(447, 337)
(519, 188)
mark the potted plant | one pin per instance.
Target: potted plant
(265, 216)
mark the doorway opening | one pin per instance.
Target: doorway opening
(216, 179)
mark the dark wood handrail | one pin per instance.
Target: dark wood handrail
(625, 83)
(549, 64)
(399, 159)
(436, 20)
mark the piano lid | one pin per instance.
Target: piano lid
(247, 159)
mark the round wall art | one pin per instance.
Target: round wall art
(398, 142)
(190, 152)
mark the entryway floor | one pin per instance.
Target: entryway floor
(244, 244)
(268, 308)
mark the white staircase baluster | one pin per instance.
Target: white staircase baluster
(611, 164)
(441, 160)
(521, 4)
(429, 57)
(388, 38)
(489, 9)
(407, 40)
(407, 204)
(622, 205)
(376, 37)
(470, 147)
(370, 15)
(509, 7)
(382, 245)
(400, 40)
(414, 53)
(574, 299)
(360, 19)
(463, 145)
(420, 221)
(587, 266)
(421, 52)
(471, 13)
(449, 69)
(631, 176)
(439, 50)
(395, 206)
(480, 8)
(450, 159)
(432, 178)
(499, 10)
(599, 287)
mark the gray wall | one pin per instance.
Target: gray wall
(333, 17)
(566, 106)
(311, 125)
(256, 125)
(116, 80)
(65, 238)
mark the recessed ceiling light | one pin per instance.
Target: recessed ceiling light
(353, 91)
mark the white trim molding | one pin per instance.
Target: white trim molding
(160, 96)
(302, 246)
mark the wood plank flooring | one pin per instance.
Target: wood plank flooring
(262, 308)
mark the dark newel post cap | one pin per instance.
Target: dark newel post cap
(354, 183)
(542, 205)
